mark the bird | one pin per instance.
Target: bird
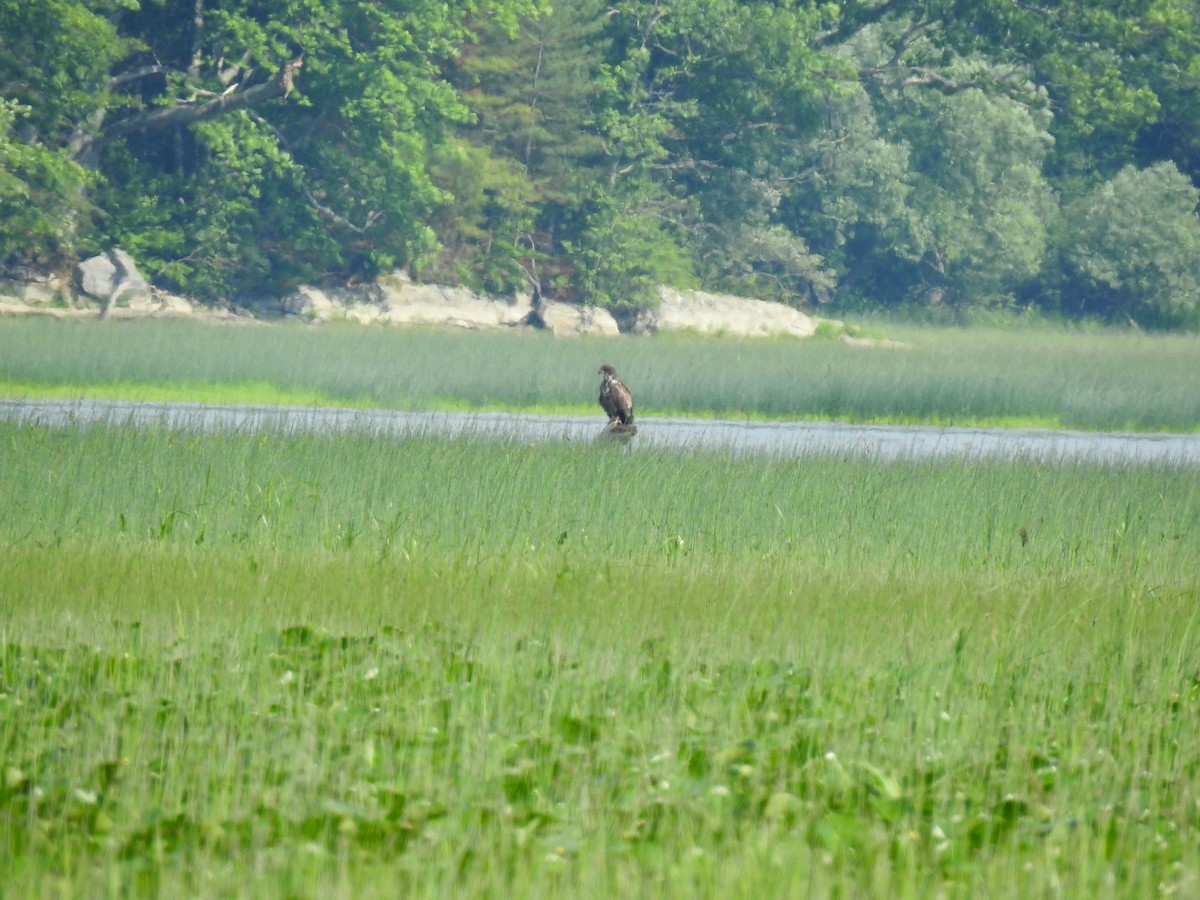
(615, 398)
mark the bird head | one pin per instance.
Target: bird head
(606, 369)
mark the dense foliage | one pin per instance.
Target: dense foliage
(955, 153)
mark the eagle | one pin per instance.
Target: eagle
(615, 398)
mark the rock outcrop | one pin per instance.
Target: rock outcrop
(110, 286)
(564, 319)
(724, 314)
(397, 300)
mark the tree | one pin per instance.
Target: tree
(41, 195)
(1120, 77)
(55, 57)
(926, 181)
(533, 99)
(1130, 250)
(553, 106)
(978, 191)
(238, 145)
(719, 94)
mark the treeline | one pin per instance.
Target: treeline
(947, 152)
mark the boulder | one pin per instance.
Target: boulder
(97, 277)
(113, 279)
(564, 319)
(172, 305)
(723, 314)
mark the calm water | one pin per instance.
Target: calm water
(775, 438)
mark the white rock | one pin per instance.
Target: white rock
(113, 278)
(406, 303)
(565, 319)
(724, 314)
(309, 303)
(97, 277)
(173, 304)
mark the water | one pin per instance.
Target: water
(884, 442)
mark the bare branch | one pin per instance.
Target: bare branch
(124, 78)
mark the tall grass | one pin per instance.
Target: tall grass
(266, 665)
(1108, 380)
(477, 500)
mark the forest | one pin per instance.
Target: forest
(948, 154)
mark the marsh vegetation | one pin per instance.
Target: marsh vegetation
(1101, 380)
(270, 665)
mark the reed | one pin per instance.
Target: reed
(306, 665)
(1057, 378)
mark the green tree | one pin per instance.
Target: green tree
(55, 59)
(1121, 77)
(42, 195)
(978, 192)
(1130, 250)
(720, 94)
(533, 99)
(238, 145)
(552, 106)
(926, 183)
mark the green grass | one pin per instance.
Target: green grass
(1045, 377)
(314, 666)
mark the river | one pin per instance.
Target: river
(789, 439)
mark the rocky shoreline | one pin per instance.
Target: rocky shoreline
(109, 286)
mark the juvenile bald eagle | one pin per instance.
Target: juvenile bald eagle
(615, 398)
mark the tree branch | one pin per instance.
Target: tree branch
(909, 76)
(188, 113)
(117, 81)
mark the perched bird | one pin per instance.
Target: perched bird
(615, 398)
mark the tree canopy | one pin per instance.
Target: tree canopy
(959, 153)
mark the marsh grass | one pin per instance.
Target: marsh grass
(264, 665)
(1057, 378)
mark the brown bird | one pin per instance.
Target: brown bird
(615, 398)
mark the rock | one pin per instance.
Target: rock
(38, 292)
(131, 285)
(111, 285)
(723, 314)
(616, 433)
(309, 303)
(407, 303)
(113, 278)
(564, 319)
(363, 313)
(97, 277)
(396, 300)
(172, 305)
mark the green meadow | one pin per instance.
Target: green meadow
(303, 665)
(1052, 377)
